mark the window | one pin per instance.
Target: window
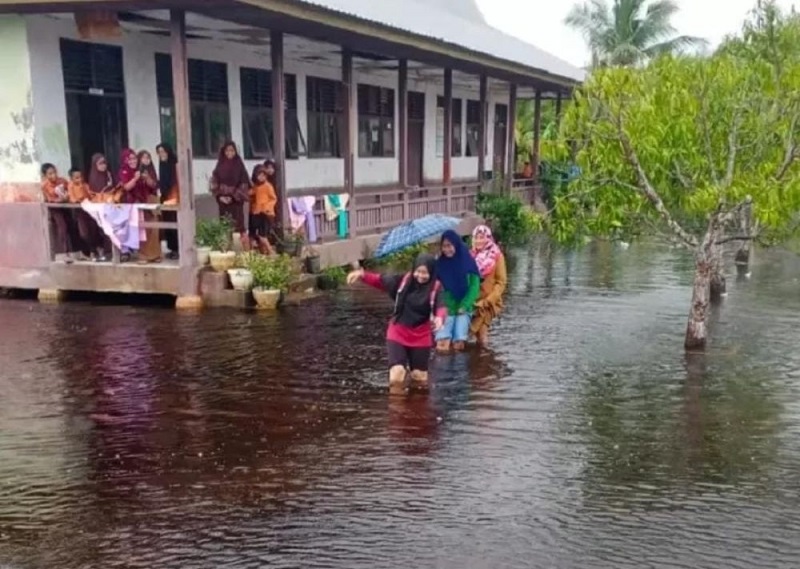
(473, 128)
(256, 87)
(208, 104)
(325, 118)
(375, 121)
(457, 110)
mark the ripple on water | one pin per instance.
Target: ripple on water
(146, 438)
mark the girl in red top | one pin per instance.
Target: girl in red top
(418, 312)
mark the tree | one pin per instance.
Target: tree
(687, 147)
(629, 32)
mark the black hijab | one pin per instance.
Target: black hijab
(166, 169)
(412, 306)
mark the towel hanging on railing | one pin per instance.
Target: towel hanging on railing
(301, 212)
(336, 208)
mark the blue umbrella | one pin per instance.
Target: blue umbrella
(414, 231)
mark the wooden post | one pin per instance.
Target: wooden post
(537, 133)
(347, 149)
(558, 108)
(402, 131)
(484, 115)
(448, 126)
(511, 131)
(279, 125)
(183, 133)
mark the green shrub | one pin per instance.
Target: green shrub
(271, 273)
(511, 221)
(215, 233)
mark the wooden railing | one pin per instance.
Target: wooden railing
(524, 189)
(378, 209)
(115, 253)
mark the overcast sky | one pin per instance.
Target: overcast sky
(541, 22)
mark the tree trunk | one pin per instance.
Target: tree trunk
(697, 327)
(743, 254)
(718, 284)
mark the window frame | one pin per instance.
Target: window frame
(457, 142)
(376, 121)
(324, 119)
(473, 134)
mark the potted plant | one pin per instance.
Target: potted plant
(312, 262)
(219, 238)
(203, 239)
(241, 276)
(331, 278)
(292, 244)
(271, 277)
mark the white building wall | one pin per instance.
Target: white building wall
(44, 33)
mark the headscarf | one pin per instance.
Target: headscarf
(485, 258)
(125, 173)
(99, 182)
(231, 172)
(412, 305)
(271, 179)
(453, 271)
(166, 169)
(151, 169)
(256, 171)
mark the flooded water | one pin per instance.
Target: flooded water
(141, 437)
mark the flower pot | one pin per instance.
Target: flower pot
(202, 255)
(266, 299)
(313, 265)
(325, 282)
(241, 279)
(220, 261)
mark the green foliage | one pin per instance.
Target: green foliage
(402, 259)
(511, 221)
(629, 32)
(271, 273)
(707, 132)
(214, 233)
(335, 274)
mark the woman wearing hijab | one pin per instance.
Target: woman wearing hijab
(418, 309)
(146, 192)
(458, 273)
(230, 185)
(102, 186)
(492, 266)
(170, 193)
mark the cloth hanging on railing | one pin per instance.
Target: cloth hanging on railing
(120, 223)
(336, 208)
(301, 213)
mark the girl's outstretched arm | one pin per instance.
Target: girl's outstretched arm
(387, 283)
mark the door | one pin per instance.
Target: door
(500, 136)
(416, 139)
(95, 96)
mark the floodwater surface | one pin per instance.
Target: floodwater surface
(142, 437)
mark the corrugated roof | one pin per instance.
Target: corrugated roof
(448, 26)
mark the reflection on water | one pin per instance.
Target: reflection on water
(140, 437)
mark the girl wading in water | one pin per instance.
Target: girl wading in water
(459, 275)
(494, 279)
(418, 311)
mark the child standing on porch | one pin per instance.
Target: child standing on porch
(88, 232)
(418, 311)
(54, 190)
(263, 200)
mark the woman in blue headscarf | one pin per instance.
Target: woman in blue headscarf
(458, 272)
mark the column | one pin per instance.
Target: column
(537, 133)
(279, 125)
(511, 130)
(448, 127)
(347, 143)
(183, 132)
(484, 115)
(402, 122)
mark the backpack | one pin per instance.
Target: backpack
(437, 286)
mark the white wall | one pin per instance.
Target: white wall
(44, 33)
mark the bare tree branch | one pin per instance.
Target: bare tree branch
(791, 149)
(685, 182)
(645, 187)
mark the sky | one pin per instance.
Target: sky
(541, 22)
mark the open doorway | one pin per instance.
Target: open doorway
(94, 87)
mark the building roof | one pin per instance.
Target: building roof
(456, 22)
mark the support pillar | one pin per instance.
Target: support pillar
(558, 109)
(279, 126)
(187, 297)
(484, 116)
(347, 143)
(537, 134)
(448, 127)
(511, 131)
(402, 123)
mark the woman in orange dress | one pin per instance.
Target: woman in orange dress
(494, 279)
